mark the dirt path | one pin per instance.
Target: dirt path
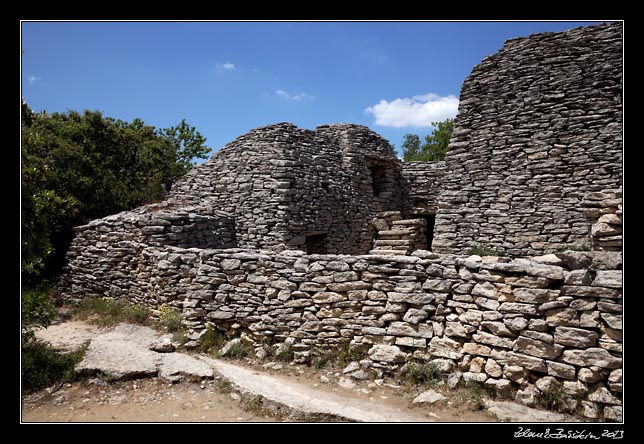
(144, 400)
(156, 400)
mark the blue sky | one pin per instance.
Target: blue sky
(226, 78)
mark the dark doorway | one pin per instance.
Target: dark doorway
(315, 243)
(378, 174)
(429, 233)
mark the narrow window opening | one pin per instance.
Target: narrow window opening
(315, 243)
(429, 233)
(378, 175)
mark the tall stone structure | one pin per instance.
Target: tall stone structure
(539, 128)
(315, 191)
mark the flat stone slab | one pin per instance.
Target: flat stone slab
(308, 401)
(177, 366)
(512, 412)
(123, 353)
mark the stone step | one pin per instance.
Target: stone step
(387, 233)
(405, 222)
(388, 252)
(394, 247)
(393, 242)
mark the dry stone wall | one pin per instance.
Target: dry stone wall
(539, 126)
(534, 325)
(423, 182)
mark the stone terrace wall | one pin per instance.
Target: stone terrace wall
(104, 256)
(281, 183)
(424, 181)
(539, 127)
(534, 325)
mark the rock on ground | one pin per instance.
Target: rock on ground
(428, 397)
(512, 412)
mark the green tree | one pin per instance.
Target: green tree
(434, 147)
(78, 167)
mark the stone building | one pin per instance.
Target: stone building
(315, 191)
(539, 128)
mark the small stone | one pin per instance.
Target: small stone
(546, 384)
(589, 375)
(603, 396)
(360, 375)
(352, 367)
(589, 410)
(515, 373)
(493, 369)
(453, 379)
(428, 397)
(163, 345)
(476, 377)
(560, 370)
(386, 353)
(324, 379)
(477, 364)
(502, 387)
(529, 396)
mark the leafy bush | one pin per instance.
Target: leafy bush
(36, 309)
(43, 366)
(170, 318)
(422, 373)
(321, 356)
(211, 340)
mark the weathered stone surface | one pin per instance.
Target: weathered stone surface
(178, 366)
(589, 375)
(534, 295)
(121, 353)
(603, 396)
(537, 348)
(560, 370)
(612, 320)
(386, 353)
(493, 369)
(429, 397)
(493, 340)
(162, 345)
(591, 357)
(576, 337)
(445, 348)
(608, 278)
(528, 396)
(546, 384)
(529, 362)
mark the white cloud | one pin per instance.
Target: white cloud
(293, 97)
(228, 66)
(418, 111)
(32, 79)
